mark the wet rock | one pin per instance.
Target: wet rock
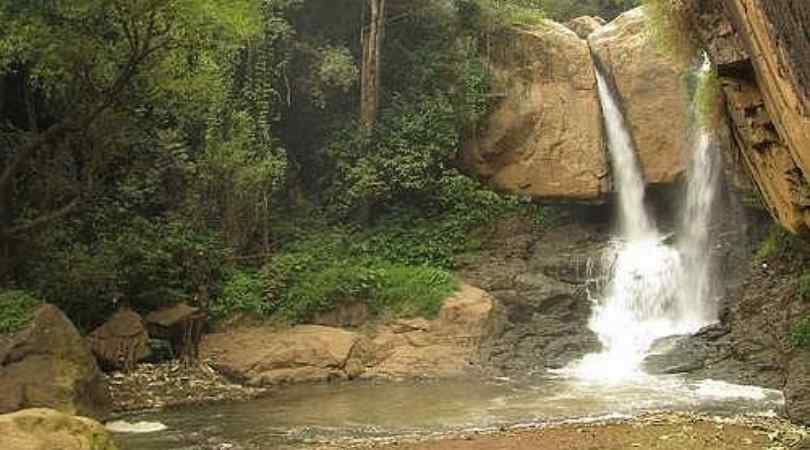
(48, 364)
(121, 342)
(47, 429)
(542, 303)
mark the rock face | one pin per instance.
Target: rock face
(262, 356)
(544, 138)
(543, 308)
(122, 341)
(652, 90)
(47, 429)
(585, 25)
(48, 364)
(444, 347)
(768, 96)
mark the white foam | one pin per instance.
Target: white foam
(121, 426)
(716, 390)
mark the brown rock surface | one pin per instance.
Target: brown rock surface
(47, 429)
(263, 356)
(122, 341)
(443, 347)
(652, 90)
(585, 25)
(48, 364)
(544, 138)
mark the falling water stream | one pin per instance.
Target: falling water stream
(651, 289)
(646, 289)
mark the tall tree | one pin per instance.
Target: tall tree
(371, 39)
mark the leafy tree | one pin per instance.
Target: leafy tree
(90, 71)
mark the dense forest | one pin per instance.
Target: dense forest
(268, 157)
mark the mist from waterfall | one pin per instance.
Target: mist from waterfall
(645, 288)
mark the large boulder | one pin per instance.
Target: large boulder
(261, 356)
(47, 429)
(544, 138)
(48, 364)
(768, 96)
(585, 25)
(445, 347)
(122, 341)
(401, 348)
(651, 88)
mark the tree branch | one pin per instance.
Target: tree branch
(42, 220)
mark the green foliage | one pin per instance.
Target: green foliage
(804, 285)
(800, 333)
(489, 15)
(242, 292)
(672, 29)
(564, 10)
(709, 100)
(18, 306)
(778, 243)
(146, 264)
(405, 155)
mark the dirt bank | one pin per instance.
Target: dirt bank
(665, 431)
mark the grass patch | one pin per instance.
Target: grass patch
(800, 334)
(17, 310)
(804, 286)
(779, 242)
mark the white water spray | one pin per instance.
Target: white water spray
(651, 290)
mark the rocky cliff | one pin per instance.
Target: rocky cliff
(761, 49)
(544, 137)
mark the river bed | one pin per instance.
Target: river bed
(306, 415)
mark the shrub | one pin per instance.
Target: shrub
(243, 291)
(804, 285)
(779, 242)
(17, 309)
(800, 334)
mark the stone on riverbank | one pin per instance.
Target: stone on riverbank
(47, 429)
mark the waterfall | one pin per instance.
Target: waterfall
(635, 222)
(649, 289)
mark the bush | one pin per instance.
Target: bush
(243, 291)
(778, 243)
(800, 334)
(147, 264)
(804, 285)
(17, 310)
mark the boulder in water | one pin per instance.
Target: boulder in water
(48, 364)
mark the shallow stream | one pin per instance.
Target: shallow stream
(300, 416)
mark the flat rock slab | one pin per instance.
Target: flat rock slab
(402, 348)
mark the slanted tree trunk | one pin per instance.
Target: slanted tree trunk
(371, 37)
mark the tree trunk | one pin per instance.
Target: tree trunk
(372, 36)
